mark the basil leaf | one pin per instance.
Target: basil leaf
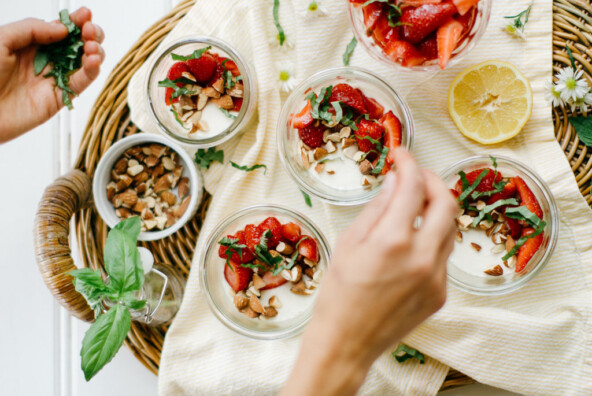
(307, 200)
(232, 246)
(195, 55)
(523, 213)
(403, 353)
(205, 158)
(465, 194)
(489, 208)
(227, 113)
(254, 266)
(41, 60)
(338, 111)
(249, 169)
(122, 258)
(349, 50)
(92, 287)
(65, 19)
(276, 20)
(129, 300)
(583, 127)
(103, 339)
(262, 252)
(178, 91)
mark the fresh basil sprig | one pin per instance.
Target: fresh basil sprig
(194, 55)
(65, 57)
(349, 50)
(126, 277)
(262, 252)
(404, 352)
(205, 158)
(249, 168)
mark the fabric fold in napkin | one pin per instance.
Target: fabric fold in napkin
(534, 341)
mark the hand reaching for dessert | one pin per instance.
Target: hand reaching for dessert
(386, 277)
(28, 100)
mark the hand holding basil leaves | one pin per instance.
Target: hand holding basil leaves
(69, 51)
(126, 277)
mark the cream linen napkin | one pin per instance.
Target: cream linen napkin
(534, 341)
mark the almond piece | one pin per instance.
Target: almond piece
(135, 152)
(236, 91)
(320, 153)
(319, 167)
(345, 143)
(195, 118)
(344, 133)
(124, 182)
(168, 197)
(164, 183)
(305, 161)
(157, 171)
(202, 100)
(183, 187)
(255, 304)
(309, 262)
(111, 190)
(219, 85)
(331, 172)
(122, 213)
(326, 135)
(308, 271)
(177, 173)
(269, 312)
(129, 197)
(511, 262)
(120, 166)
(366, 167)
(350, 151)
(459, 236)
(274, 301)
(299, 288)
(330, 147)
(495, 271)
(161, 221)
(369, 181)
(147, 214)
(498, 249)
(188, 76)
(296, 273)
(149, 224)
(186, 102)
(240, 300)
(138, 207)
(141, 177)
(146, 150)
(135, 170)
(476, 246)
(249, 313)
(168, 163)
(510, 243)
(183, 207)
(171, 219)
(224, 102)
(464, 221)
(284, 249)
(258, 283)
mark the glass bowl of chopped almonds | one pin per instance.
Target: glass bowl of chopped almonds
(200, 91)
(261, 269)
(149, 176)
(507, 224)
(337, 133)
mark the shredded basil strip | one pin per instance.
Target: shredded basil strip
(307, 200)
(349, 51)
(247, 168)
(465, 194)
(489, 208)
(227, 113)
(338, 111)
(194, 55)
(177, 118)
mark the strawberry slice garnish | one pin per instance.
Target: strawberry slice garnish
(486, 183)
(237, 276)
(404, 53)
(203, 67)
(308, 248)
(252, 236)
(375, 109)
(509, 191)
(238, 103)
(514, 225)
(448, 36)
(272, 281)
(312, 135)
(372, 13)
(429, 47)
(527, 197)
(384, 33)
(304, 118)
(528, 250)
(291, 232)
(455, 193)
(464, 6)
(168, 93)
(418, 23)
(348, 95)
(275, 227)
(368, 128)
(392, 138)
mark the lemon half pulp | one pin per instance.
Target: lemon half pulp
(490, 102)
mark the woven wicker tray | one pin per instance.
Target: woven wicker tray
(70, 195)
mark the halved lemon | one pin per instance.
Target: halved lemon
(490, 102)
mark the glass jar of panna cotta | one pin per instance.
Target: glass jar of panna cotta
(340, 182)
(475, 253)
(295, 310)
(216, 122)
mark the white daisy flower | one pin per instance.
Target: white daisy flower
(315, 9)
(552, 95)
(571, 84)
(581, 103)
(286, 80)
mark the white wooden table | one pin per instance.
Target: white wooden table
(39, 341)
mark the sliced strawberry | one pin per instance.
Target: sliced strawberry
(238, 277)
(464, 6)
(486, 183)
(455, 193)
(232, 67)
(176, 71)
(304, 118)
(291, 232)
(252, 236)
(203, 67)
(429, 47)
(418, 23)
(167, 96)
(371, 14)
(272, 281)
(312, 135)
(527, 197)
(384, 33)
(514, 225)
(272, 224)
(368, 128)
(375, 109)
(508, 192)
(404, 53)
(528, 250)
(392, 138)
(238, 103)
(308, 248)
(348, 95)
(448, 36)
(247, 256)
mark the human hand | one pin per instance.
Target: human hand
(28, 100)
(386, 277)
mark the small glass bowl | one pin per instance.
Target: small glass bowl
(287, 136)
(497, 285)
(479, 26)
(161, 112)
(220, 296)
